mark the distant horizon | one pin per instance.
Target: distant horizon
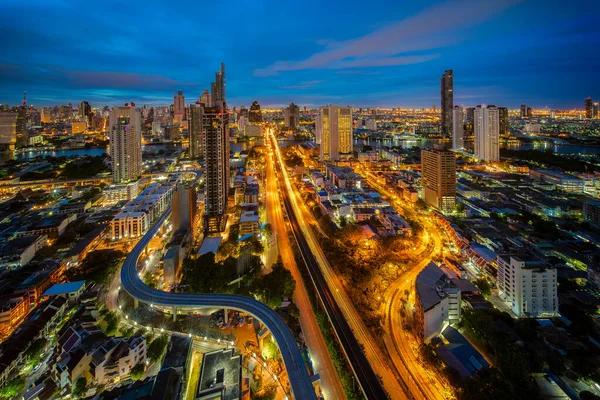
(391, 54)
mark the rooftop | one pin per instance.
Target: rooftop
(62, 288)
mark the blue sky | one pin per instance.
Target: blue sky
(381, 53)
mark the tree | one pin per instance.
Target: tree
(279, 282)
(483, 285)
(79, 387)
(150, 279)
(270, 350)
(157, 348)
(12, 388)
(35, 350)
(137, 371)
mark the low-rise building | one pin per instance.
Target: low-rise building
(528, 285)
(566, 182)
(438, 302)
(20, 251)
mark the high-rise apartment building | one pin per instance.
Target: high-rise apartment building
(125, 124)
(184, 207)
(595, 110)
(487, 133)
(255, 115)
(335, 132)
(84, 110)
(503, 120)
(196, 130)
(292, 116)
(588, 108)
(469, 119)
(8, 131)
(447, 94)
(22, 134)
(178, 107)
(216, 157)
(318, 128)
(527, 285)
(458, 128)
(438, 169)
(206, 98)
(523, 110)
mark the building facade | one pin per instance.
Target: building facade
(458, 128)
(487, 133)
(438, 168)
(447, 95)
(126, 143)
(8, 131)
(335, 131)
(292, 116)
(196, 131)
(184, 207)
(527, 285)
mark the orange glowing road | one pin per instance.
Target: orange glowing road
(330, 382)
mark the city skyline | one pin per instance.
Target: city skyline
(380, 56)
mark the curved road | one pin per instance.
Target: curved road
(299, 380)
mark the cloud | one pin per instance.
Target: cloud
(303, 85)
(121, 80)
(435, 27)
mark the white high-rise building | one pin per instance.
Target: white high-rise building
(318, 128)
(527, 285)
(335, 124)
(487, 133)
(458, 128)
(126, 143)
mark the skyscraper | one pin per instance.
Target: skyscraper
(588, 108)
(318, 128)
(292, 116)
(438, 168)
(178, 107)
(487, 132)
(523, 110)
(184, 207)
(458, 128)
(125, 124)
(22, 136)
(503, 120)
(8, 130)
(447, 93)
(595, 110)
(206, 98)
(84, 110)
(529, 112)
(196, 130)
(335, 124)
(255, 115)
(218, 87)
(216, 155)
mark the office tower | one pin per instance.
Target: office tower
(529, 112)
(243, 112)
(588, 107)
(447, 89)
(125, 124)
(523, 111)
(218, 87)
(527, 285)
(179, 107)
(8, 130)
(335, 132)
(216, 155)
(503, 120)
(595, 110)
(255, 115)
(84, 110)
(487, 132)
(469, 118)
(196, 133)
(318, 128)
(184, 207)
(438, 169)
(458, 128)
(206, 98)
(292, 116)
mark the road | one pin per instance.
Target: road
(322, 364)
(299, 380)
(369, 365)
(401, 345)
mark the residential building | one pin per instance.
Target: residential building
(528, 285)
(178, 107)
(438, 302)
(196, 130)
(589, 112)
(184, 207)
(503, 120)
(206, 98)
(221, 376)
(216, 146)
(78, 127)
(591, 212)
(115, 359)
(458, 128)
(335, 127)
(438, 169)
(21, 126)
(487, 133)
(292, 116)
(255, 115)
(447, 95)
(8, 131)
(523, 111)
(125, 124)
